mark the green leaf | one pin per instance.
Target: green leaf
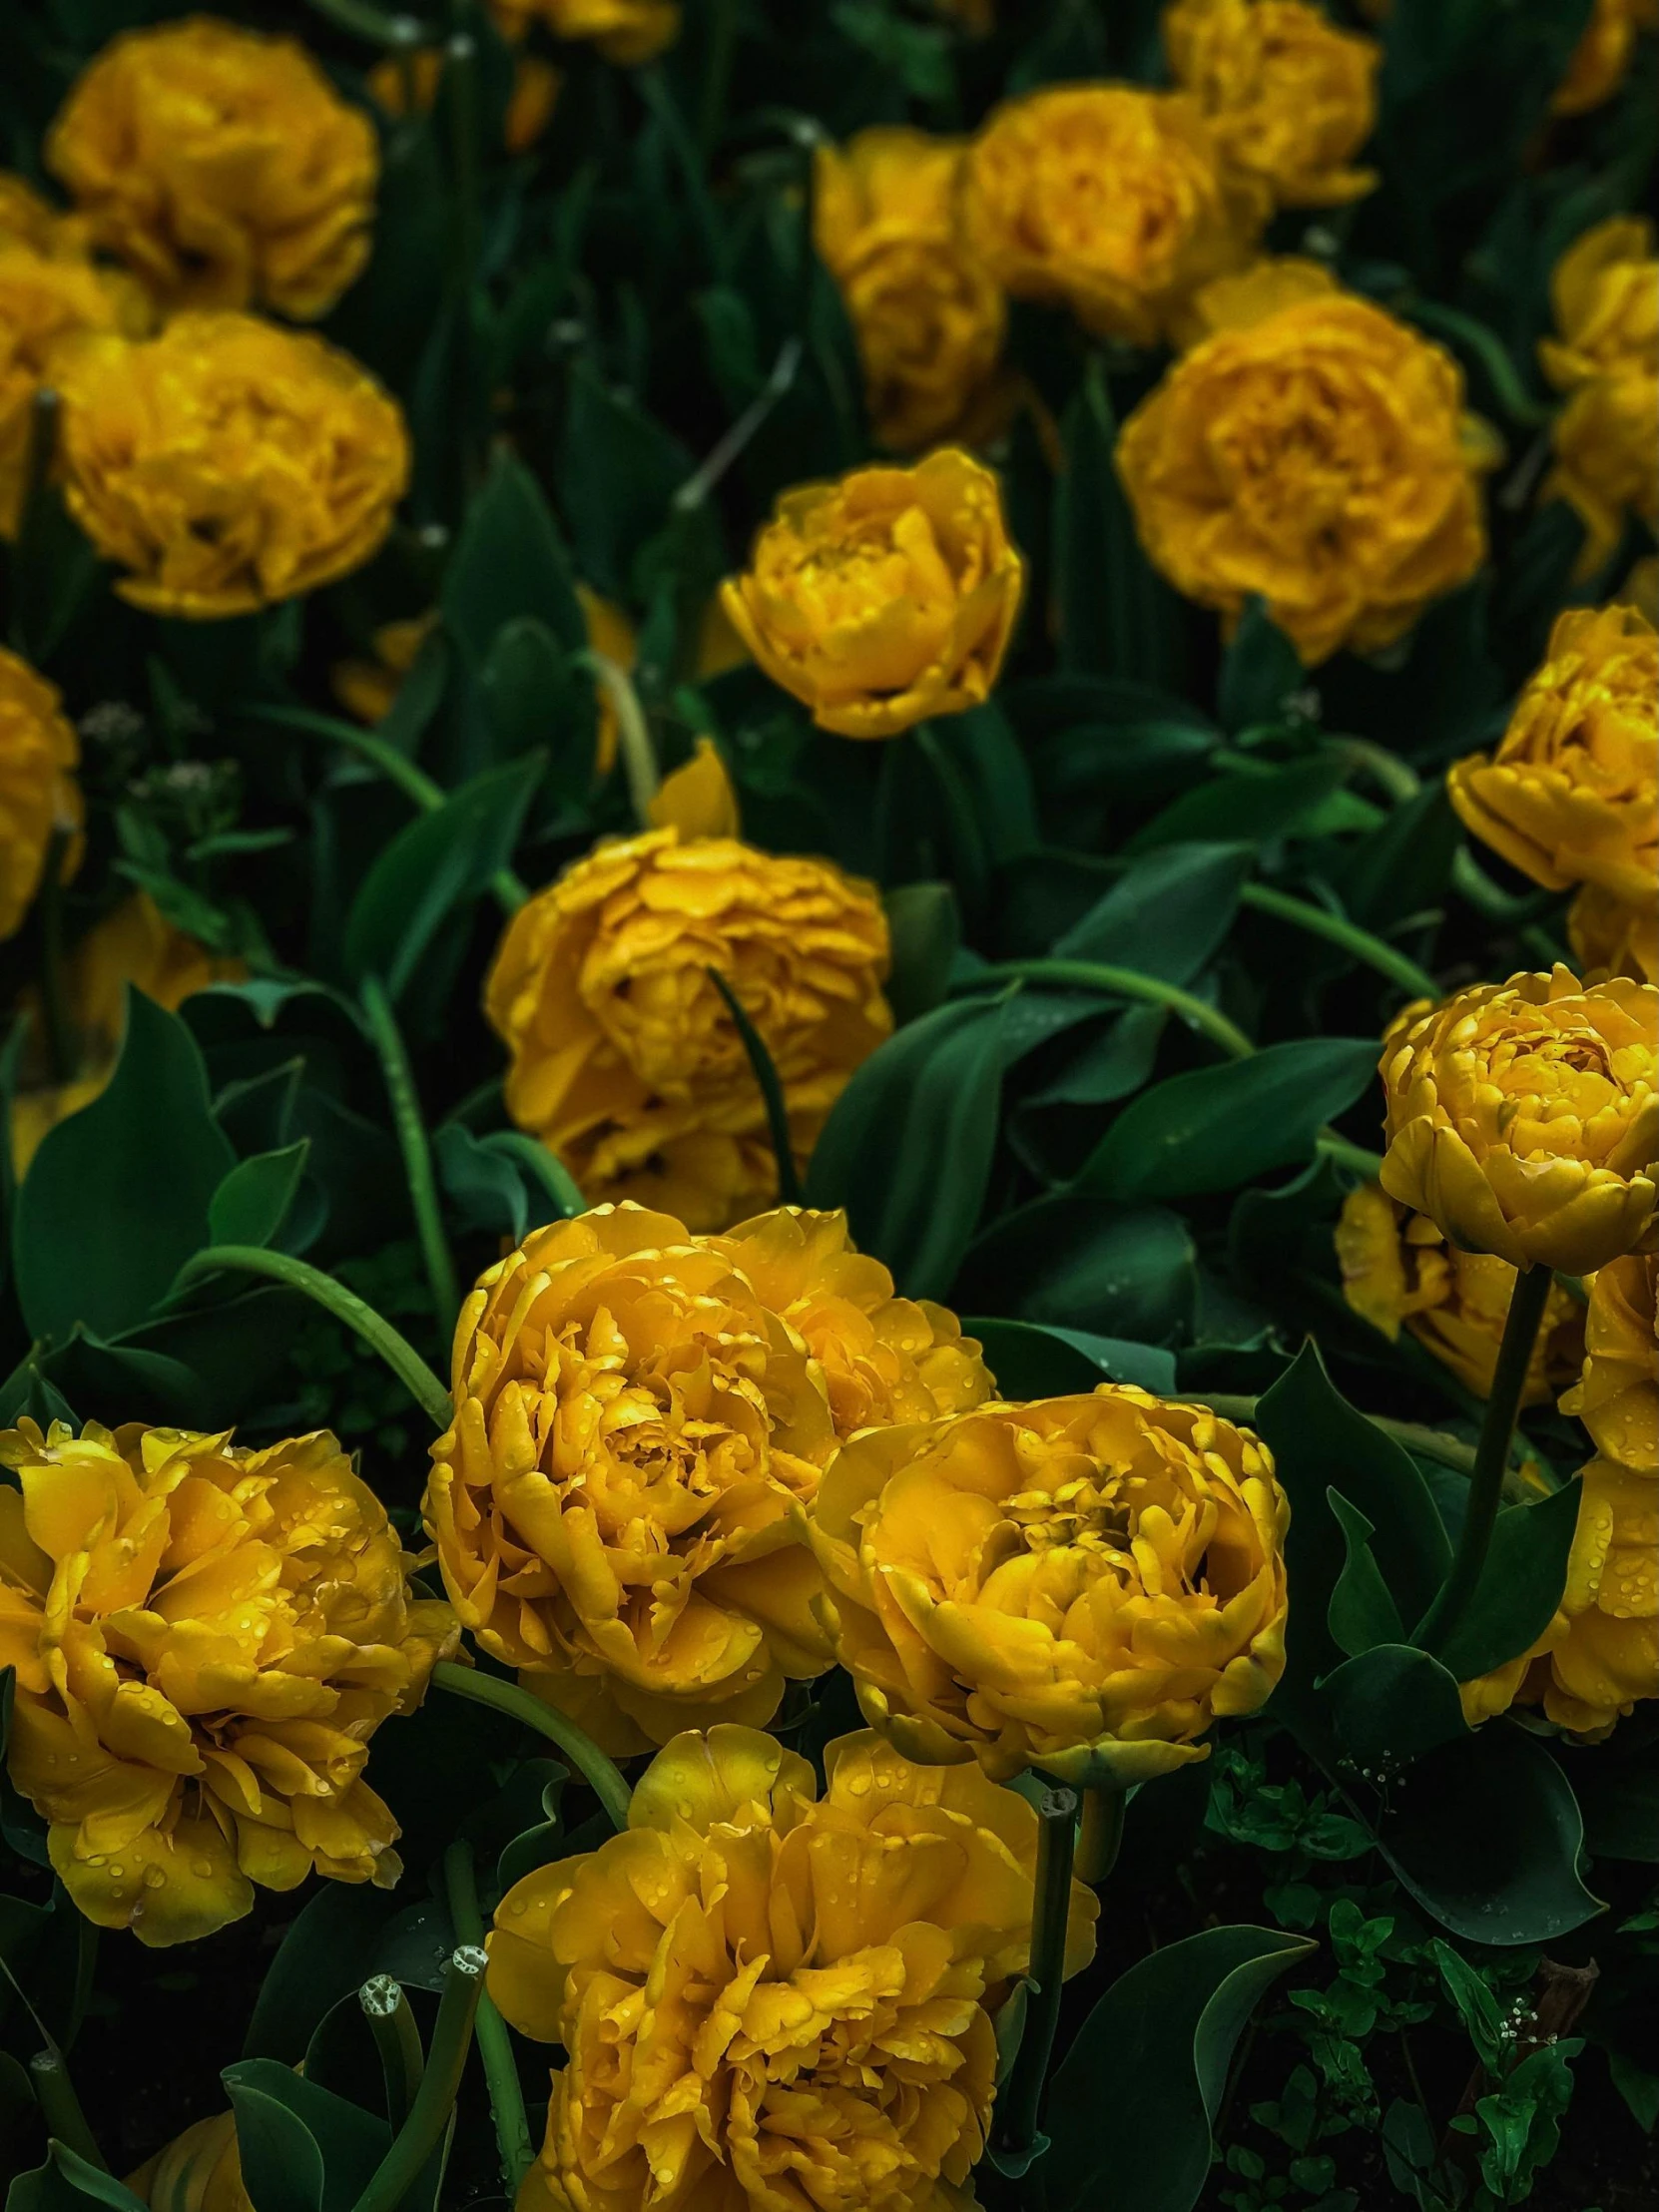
(618, 474)
(1163, 2035)
(1393, 1704)
(1114, 610)
(329, 1948)
(116, 1200)
(926, 929)
(1167, 915)
(66, 2183)
(1037, 1360)
(1215, 1128)
(1521, 1586)
(302, 2149)
(250, 1205)
(508, 561)
(1361, 1611)
(535, 695)
(1486, 1836)
(1260, 670)
(1476, 2007)
(909, 1145)
(484, 1189)
(431, 866)
(1117, 1271)
(1252, 807)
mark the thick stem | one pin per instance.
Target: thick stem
(789, 1192)
(397, 2040)
(417, 1153)
(1492, 1457)
(601, 1774)
(1301, 913)
(374, 1329)
(1121, 982)
(1102, 1832)
(495, 2043)
(434, 2100)
(1015, 2127)
(61, 2108)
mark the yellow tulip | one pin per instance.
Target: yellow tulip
(1617, 1396)
(39, 755)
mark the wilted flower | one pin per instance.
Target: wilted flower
(1398, 1271)
(884, 598)
(1081, 1585)
(626, 1061)
(38, 790)
(206, 1638)
(634, 1424)
(772, 2000)
(1290, 97)
(135, 944)
(1618, 1397)
(928, 315)
(226, 463)
(1605, 293)
(199, 2171)
(1523, 1117)
(1314, 451)
(1601, 58)
(625, 30)
(1112, 199)
(222, 166)
(1571, 795)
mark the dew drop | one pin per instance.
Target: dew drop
(202, 1868)
(154, 1879)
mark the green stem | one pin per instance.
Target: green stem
(402, 2061)
(638, 754)
(1318, 921)
(1120, 982)
(1398, 778)
(373, 25)
(1348, 1155)
(1014, 2126)
(601, 1774)
(1470, 881)
(434, 2100)
(696, 488)
(1492, 1457)
(374, 1329)
(417, 1153)
(495, 2043)
(562, 1190)
(60, 1055)
(789, 1192)
(1102, 1836)
(1490, 350)
(61, 2107)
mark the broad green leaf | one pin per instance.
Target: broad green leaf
(1248, 807)
(1361, 1611)
(926, 929)
(250, 1205)
(116, 1200)
(1038, 1360)
(302, 2148)
(485, 1190)
(1167, 915)
(1477, 2009)
(1260, 670)
(618, 474)
(1521, 1586)
(508, 561)
(535, 695)
(329, 1948)
(66, 2183)
(432, 865)
(907, 1147)
(1163, 2035)
(1114, 610)
(1391, 1705)
(1117, 1271)
(1218, 1127)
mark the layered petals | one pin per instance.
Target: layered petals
(1617, 1394)
(39, 790)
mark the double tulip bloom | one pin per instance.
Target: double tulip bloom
(1605, 358)
(39, 793)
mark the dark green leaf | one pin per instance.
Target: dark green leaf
(1260, 670)
(1252, 805)
(66, 2183)
(252, 1203)
(1391, 1705)
(116, 1199)
(926, 930)
(1520, 1584)
(1117, 1271)
(509, 561)
(484, 1189)
(1215, 1128)
(302, 2149)
(1361, 1611)
(1114, 611)
(1163, 2035)
(618, 474)
(329, 1948)
(536, 697)
(1166, 915)
(1038, 1360)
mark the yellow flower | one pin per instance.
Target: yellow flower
(1397, 1270)
(1602, 56)
(1111, 198)
(1081, 1585)
(1313, 449)
(1571, 795)
(625, 30)
(48, 295)
(1618, 1397)
(227, 465)
(884, 598)
(928, 316)
(199, 2171)
(698, 799)
(771, 2000)
(1614, 936)
(625, 1059)
(206, 1638)
(613, 1505)
(1524, 1117)
(1605, 295)
(1290, 97)
(26, 219)
(39, 753)
(221, 166)
(135, 944)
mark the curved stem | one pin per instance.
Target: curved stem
(61, 2108)
(434, 2100)
(417, 1153)
(1318, 921)
(359, 1317)
(638, 754)
(1014, 2126)
(789, 1192)
(601, 1774)
(548, 1168)
(1120, 982)
(495, 2043)
(1348, 1155)
(1472, 882)
(1492, 1457)
(1102, 1836)
(1398, 778)
(397, 2040)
